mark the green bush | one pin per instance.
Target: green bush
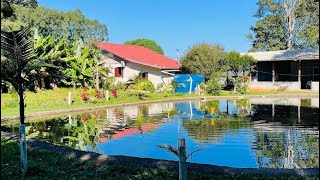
(109, 83)
(147, 85)
(243, 88)
(160, 87)
(213, 85)
(119, 86)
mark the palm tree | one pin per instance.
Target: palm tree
(17, 67)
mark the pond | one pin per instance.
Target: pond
(243, 133)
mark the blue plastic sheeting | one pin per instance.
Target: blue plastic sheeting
(183, 81)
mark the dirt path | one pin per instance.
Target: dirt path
(135, 162)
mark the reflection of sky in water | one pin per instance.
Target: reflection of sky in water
(229, 140)
(145, 145)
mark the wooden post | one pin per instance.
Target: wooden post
(69, 98)
(273, 71)
(23, 148)
(299, 71)
(107, 95)
(182, 159)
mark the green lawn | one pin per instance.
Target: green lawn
(44, 164)
(50, 100)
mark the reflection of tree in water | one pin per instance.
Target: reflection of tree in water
(210, 107)
(87, 129)
(78, 133)
(49, 131)
(211, 130)
(270, 145)
(286, 149)
(242, 107)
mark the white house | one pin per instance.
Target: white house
(129, 61)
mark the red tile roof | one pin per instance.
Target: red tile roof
(140, 55)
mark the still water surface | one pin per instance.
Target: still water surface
(251, 133)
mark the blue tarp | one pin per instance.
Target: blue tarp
(185, 80)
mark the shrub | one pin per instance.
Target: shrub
(147, 85)
(243, 88)
(213, 85)
(109, 83)
(160, 87)
(119, 86)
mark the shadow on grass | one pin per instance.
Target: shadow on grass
(46, 161)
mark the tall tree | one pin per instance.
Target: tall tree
(149, 44)
(285, 24)
(8, 16)
(204, 59)
(71, 25)
(241, 67)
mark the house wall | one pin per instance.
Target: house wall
(278, 85)
(132, 69)
(315, 86)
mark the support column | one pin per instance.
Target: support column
(273, 71)
(299, 71)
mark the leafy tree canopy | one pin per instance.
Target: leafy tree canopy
(71, 25)
(204, 59)
(285, 24)
(149, 44)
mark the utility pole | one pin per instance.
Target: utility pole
(178, 54)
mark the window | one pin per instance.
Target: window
(144, 75)
(118, 72)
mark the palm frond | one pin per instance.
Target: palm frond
(16, 52)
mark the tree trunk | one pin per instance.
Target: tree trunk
(21, 104)
(289, 7)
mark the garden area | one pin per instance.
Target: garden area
(52, 65)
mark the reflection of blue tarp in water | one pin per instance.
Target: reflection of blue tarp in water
(184, 79)
(188, 110)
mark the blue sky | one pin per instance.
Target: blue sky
(173, 24)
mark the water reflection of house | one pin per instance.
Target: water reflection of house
(294, 109)
(123, 132)
(118, 118)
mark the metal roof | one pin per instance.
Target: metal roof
(140, 55)
(285, 55)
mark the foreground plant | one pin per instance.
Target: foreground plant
(18, 67)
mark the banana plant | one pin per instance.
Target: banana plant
(50, 51)
(84, 67)
(80, 68)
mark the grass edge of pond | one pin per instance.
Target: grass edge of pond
(48, 164)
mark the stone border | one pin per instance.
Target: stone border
(135, 162)
(178, 99)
